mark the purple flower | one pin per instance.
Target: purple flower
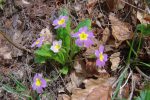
(83, 37)
(60, 22)
(38, 42)
(56, 46)
(38, 83)
(101, 57)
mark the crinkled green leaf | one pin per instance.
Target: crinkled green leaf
(86, 22)
(64, 70)
(44, 51)
(64, 35)
(59, 57)
(40, 59)
(144, 29)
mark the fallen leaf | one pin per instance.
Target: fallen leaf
(119, 5)
(76, 80)
(115, 60)
(91, 67)
(121, 31)
(25, 2)
(5, 50)
(77, 7)
(143, 18)
(90, 5)
(106, 35)
(102, 73)
(99, 89)
(63, 97)
(115, 5)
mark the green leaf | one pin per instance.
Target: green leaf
(64, 35)
(40, 59)
(86, 22)
(42, 54)
(144, 95)
(59, 57)
(44, 51)
(13, 91)
(64, 70)
(20, 87)
(144, 29)
(66, 43)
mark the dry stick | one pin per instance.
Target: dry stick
(132, 89)
(20, 48)
(144, 75)
(133, 6)
(126, 80)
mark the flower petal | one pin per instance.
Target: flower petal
(79, 43)
(105, 57)
(101, 48)
(97, 53)
(34, 87)
(57, 27)
(39, 90)
(90, 33)
(75, 34)
(88, 42)
(55, 22)
(34, 44)
(44, 84)
(83, 29)
(60, 42)
(63, 25)
(100, 63)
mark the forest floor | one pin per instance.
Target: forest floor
(122, 26)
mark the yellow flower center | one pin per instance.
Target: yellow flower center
(57, 46)
(83, 36)
(101, 57)
(37, 42)
(38, 82)
(61, 21)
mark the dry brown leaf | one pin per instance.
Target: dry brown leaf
(78, 67)
(121, 31)
(76, 80)
(115, 60)
(119, 5)
(106, 34)
(99, 89)
(25, 2)
(115, 5)
(91, 67)
(90, 5)
(5, 50)
(143, 18)
(63, 97)
(102, 73)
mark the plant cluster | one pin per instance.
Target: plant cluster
(66, 45)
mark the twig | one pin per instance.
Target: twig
(144, 75)
(126, 80)
(132, 89)
(19, 47)
(133, 6)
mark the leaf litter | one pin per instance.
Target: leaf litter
(97, 81)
